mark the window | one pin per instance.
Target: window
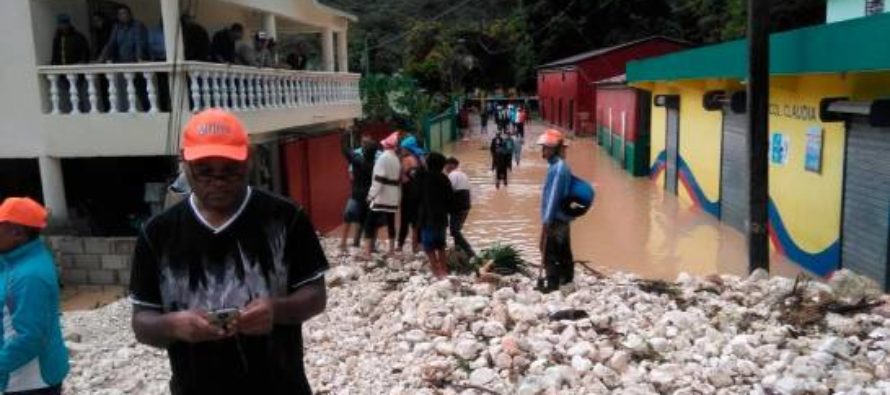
(873, 7)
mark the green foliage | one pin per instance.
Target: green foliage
(505, 257)
(450, 47)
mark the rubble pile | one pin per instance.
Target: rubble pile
(392, 328)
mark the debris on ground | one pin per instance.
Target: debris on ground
(391, 328)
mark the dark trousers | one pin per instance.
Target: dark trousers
(407, 219)
(558, 260)
(54, 390)
(377, 218)
(520, 129)
(456, 223)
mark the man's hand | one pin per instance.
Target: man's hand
(193, 327)
(257, 318)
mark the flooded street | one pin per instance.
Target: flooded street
(634, 225)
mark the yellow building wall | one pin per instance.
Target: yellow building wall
(806, 206)
(699, 141)
(809, 204)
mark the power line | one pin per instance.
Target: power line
(437, 17)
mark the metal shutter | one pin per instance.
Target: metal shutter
(734, 171)
(672, 146)
(866, 227)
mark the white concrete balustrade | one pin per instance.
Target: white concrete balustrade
(144, 88)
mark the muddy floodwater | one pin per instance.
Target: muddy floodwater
(634, 226)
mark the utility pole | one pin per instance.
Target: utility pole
(758, 133)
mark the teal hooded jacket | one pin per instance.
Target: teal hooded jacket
(32, 351)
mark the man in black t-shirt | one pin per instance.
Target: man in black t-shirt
(224, 279)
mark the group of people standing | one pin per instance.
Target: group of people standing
(128, 40)
(506, 146)
(224, 279)
(396, 177)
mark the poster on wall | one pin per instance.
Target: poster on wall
(813, 161)
(778, 149)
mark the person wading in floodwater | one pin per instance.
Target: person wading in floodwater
(502, 156)
(225, 279)
(555, 242)
(461, 204)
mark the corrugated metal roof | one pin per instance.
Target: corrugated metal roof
(571, 60)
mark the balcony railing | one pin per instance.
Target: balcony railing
(144, 88)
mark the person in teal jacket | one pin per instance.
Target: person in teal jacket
(33, 358)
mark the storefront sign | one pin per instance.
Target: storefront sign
(799, 112)
(778, 149)
(813, 161)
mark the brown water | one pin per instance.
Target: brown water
(634, 225)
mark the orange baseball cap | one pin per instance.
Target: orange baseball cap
(23, 211)
(551, 138)
(214, 133)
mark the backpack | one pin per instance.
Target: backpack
(580, 199)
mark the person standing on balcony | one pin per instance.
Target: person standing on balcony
(257, 54)
(225, 279)
(33, 358)
(128, 42)
(196, 41)
(384, 195)
(100, 28)
(461, 204)
(69, 45)
(222, 49)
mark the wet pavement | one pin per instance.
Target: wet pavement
(634, 225)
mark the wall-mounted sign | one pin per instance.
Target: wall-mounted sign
(813, 161)
(778, 149)
(800, 112)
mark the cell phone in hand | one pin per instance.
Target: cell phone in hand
(223, 317)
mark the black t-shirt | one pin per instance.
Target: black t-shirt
(269, 248)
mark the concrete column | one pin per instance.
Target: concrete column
(271, 28)
(342, 52)
(269, 25)
(53, 188)
(327, 49)
(172, 40)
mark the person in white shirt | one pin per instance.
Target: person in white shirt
(462, 204)
(385, 195)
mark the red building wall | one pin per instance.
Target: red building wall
(586, 72)
(619, 100)
(317, 178)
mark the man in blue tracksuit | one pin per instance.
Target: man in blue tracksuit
(555, 244)
(33, 358)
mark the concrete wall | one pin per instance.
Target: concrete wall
(93, 260)
(20, 99)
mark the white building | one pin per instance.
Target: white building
(89, 147)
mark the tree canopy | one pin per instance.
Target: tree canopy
(451, 46)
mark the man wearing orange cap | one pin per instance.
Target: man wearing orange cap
(33, 358)
(224, 279)
(556, 243)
